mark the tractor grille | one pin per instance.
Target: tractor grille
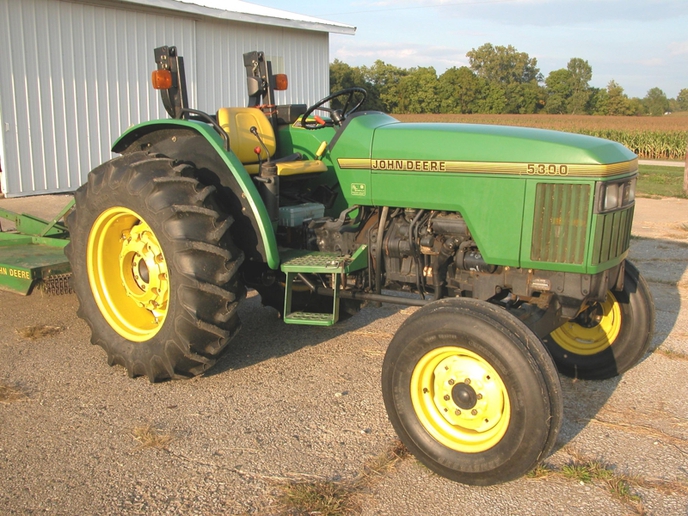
(560, 224)
(612, 235)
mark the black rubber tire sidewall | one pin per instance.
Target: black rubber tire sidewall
(535, 404)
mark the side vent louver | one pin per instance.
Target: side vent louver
(612, 235)
(560, 225)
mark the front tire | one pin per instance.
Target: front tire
(153, 267)
(472, 392)
(608, 338)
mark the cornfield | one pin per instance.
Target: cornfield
(669, 145)
(649, 137)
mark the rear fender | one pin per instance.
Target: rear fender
(252, 230)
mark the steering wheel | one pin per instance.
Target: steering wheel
(337, 116)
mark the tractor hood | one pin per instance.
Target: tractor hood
(471, 143)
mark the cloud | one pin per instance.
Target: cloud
(550, 12)
(536, 12)
(678, 48)
(656, 61)
(404, 56)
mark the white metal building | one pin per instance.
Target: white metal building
(74, 74)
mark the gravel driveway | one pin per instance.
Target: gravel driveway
(289, 405)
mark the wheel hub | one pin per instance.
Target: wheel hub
(464, 396)
(460, 399)
(143, 269)
(480, 402)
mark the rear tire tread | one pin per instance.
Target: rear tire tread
(203, 264)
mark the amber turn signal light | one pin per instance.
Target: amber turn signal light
(281, 81)
(161, 79)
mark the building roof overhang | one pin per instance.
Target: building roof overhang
(238, 10)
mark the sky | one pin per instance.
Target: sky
(640, 44)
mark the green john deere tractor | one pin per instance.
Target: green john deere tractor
(514, 242)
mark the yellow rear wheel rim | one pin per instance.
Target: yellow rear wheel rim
(128, 274)
(460, 399)
(583, 340)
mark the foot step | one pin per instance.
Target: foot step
(295, 262)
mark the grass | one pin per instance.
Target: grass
(323, 498)
(330, 498)
(150, 437)
(587, 471)
(670, 353)
(39, 331)
(542, 470)
(663, 181)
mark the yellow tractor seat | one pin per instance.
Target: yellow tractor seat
(237, 123)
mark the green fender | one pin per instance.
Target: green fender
(233, 164)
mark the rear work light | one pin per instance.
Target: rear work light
(161, 79)
(281, 82)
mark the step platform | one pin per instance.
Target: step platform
(297, 261)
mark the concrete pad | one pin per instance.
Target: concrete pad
(291, 403)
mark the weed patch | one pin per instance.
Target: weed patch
(150, 437)
(322, 498)
(595, 472)
(670, 353)
(329, 498)
(542, 470)
(39, 331)
(10, 393)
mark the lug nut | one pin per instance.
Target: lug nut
(467, 381)
(446, 397)
(474, 412)
(457, 412)
(479, 396)
(451, 381)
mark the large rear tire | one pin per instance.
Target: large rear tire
(472, 392)
(153, 267)
(609, 338)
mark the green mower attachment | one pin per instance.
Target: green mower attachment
(32, 254)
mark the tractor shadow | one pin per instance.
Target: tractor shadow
(265, 336)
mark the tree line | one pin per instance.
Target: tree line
(498, 80)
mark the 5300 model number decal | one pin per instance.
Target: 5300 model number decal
(540, 169)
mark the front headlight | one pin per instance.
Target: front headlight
(611, 197)
(615, 196)
(629, 192)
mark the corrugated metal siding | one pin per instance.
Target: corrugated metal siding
(74, 76)
(303, 56)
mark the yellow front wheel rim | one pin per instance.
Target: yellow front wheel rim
(128, 274)
(590, 340)
(460, 399)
